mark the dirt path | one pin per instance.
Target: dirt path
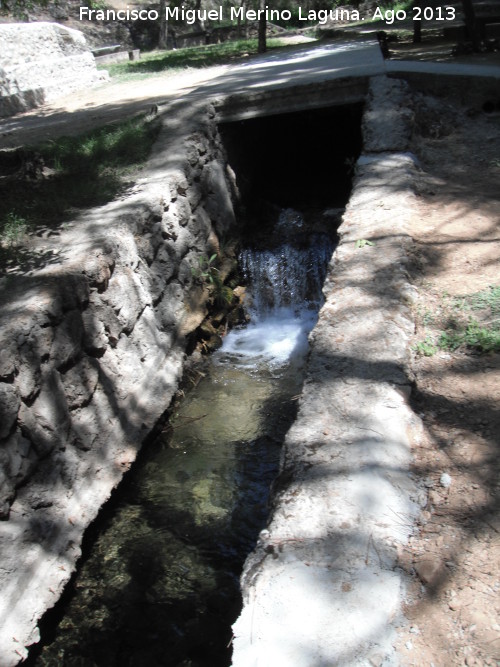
(106, 103)
(454, 605)
(113, 101)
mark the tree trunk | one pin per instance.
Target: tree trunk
(262, 27)
(162, 37)
(197, 7)
(417, 26)
(471, 24)
(242, 4)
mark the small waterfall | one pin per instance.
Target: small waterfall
(284, 295)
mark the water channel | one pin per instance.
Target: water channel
(159, 585)
(159, 582)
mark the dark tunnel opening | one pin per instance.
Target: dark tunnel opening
(303, 160)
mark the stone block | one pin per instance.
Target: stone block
(80, 382)
(127, 296)
(28, 378)
(200, 225)
(41, 62)
(95, 340)
(68, 337)
(46, 422)
(171, 307)
(148, 336)
(7, 365)
(84, 428)
(9, 407)
(6, 493)
(19, 458)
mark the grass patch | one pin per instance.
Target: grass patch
(457, 328)
(426, 347)
(488, 300)
(193, 56)
(13, 230)
(474, 336)
(47, 183)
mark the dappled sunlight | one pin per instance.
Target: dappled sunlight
(119, 101)
(346, 602)
(456, 253)
(356, 524)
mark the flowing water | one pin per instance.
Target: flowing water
(160, 584)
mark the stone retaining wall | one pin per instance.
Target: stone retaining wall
(91, 350)
(39, 62)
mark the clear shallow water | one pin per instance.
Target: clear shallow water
(160, 584)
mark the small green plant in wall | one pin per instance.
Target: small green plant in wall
(362, 243)
(206, 271)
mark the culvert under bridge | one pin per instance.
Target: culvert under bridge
(320, 587)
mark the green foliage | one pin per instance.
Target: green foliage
(223, 294)
(79, 172)
(486, 299)
(20, 8)
(480, 338)
(193, 56)
(112, 146)
(426, 347)
(97, 4)
(427, 317)
(205, 273)
(12, 228)
(459, 330)
(450, 340)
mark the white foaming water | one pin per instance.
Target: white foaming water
(284, 286)
(274, 340)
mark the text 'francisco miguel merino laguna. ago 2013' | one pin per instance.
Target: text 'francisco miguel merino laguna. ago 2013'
(322, 16)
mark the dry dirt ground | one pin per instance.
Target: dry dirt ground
(454, 560)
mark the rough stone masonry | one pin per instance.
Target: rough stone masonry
(92, 347)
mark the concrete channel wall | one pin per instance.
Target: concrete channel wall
(323, 586)
(91, 350)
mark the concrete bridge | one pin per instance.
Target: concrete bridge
(309, 76)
